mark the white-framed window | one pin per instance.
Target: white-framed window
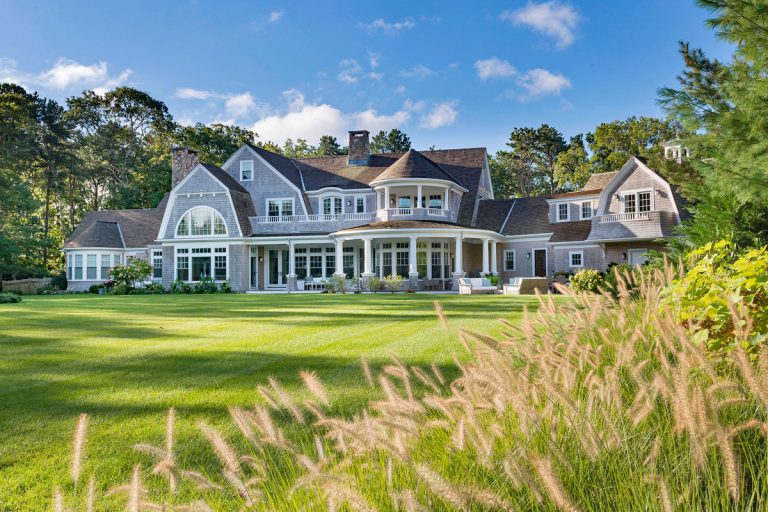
(332, 205)
(509, 260)
(115, 259)
(246, 170)
(280, 207)
(359, 204)
(637, 201)
(157, 264)
(586, 210)
(404, 202)
(91, 268)
(194, 263)
(576, 259)
(201, 221)
(78, 267)
(562, 212)
(436, 202)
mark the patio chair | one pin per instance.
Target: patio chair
(470, 286)
(526, 285)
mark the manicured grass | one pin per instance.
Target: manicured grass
(126, 360)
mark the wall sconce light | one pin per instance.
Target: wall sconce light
(261, 259)
(624, 256)
(349, 203)
(527, 255)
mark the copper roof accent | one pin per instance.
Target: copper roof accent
(577, 193)
(414, 165)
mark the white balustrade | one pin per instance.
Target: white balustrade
(623, 217)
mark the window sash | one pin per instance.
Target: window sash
(78, 267)
(246, 170)
(436, 202)
(576, 259)
(586, 210)
(644, 201)
(562, 211)
(404, 202)
(360, 205)
(630, 203)
(105, 259)
(332, 205)
(182, 268)
(91, 267)
(509, 260)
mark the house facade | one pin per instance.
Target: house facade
(266, 222)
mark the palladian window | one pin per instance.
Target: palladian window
(201, 221)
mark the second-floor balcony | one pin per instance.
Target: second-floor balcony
(625, 217)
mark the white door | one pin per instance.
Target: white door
(637, 257)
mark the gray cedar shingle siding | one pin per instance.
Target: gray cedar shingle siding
(239, 266)
(169, 266)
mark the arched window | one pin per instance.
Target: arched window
(201, 221)
(332, 205)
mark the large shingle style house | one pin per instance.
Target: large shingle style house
(264, 221)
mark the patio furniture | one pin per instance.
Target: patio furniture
(430, 284)
(313, 285)
(526, 285)
(474, 285)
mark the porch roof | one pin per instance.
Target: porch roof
(404, 224)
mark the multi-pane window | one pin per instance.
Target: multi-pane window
(315, 266)
(182, 268)
(401, 262)
(246, 170)
(157, 264)
(201, 221)
(577, 258)
(630, 203)
(69, 266)
(115, 259)
(421, 263)
(437, 265)
(404, 202)
(330, 265)
(301, 266)
(644, 201)
(562, 211)
(509, 260)
(78, 266)
(91, 270)
(349, 265)
(436, 202)
(105, 266)
(220, 267)
(360, 205)
(280, 207)
(586, 209)
(287, 206)
(332, 205)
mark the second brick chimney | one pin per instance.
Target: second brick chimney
(183, 160)
(359, 147)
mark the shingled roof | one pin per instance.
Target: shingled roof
(225, 178)
(491, 213)
(570, 231)
(529, 216)
(402, 224)
(118, 229)
(599, 181)
(415, 165)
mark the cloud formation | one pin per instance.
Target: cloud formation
(417, 71)
(275, 16)
(391, 28)
(442, 114)
(65, 74)
(540, 82)
(550, 18)
(494, 68)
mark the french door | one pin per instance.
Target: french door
(277, 268)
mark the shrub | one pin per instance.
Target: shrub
(206, 285)
(226, 287)
(587, 280)
(59, 281)
(493, 279)
(180, 286)
(134, 272)
(149, 289)
(374, 284)
(720, 279)
(9, 298)
(94, 288)
(337, 284)
(15, 292)
(616, 272)
(393, 283)
(120, 289)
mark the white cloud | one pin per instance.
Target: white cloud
(309, 121)
(188, 93)
(388, 27)
(442, 114)
(373, 60)
(65, 74)
(540, 82)
(275, 16)
(494, 68)
(414, 106)
(417, 71)
(400, 89)
(240, 105)
(350, 71)
(551, 18)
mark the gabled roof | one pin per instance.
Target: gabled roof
(118, 229)
(529, 216)
(225, 178)
(415, 165)
(577, 193)
(491, 213)
(599, 181)
(573, 231)
(283, 165)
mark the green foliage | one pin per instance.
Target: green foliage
(179, 286)
(206, 285)
(393, 141)
(719, 279)
(149, 289)
(215, 142)
(134, 272)
(59, 281)
(573, 169)
(374, 284)
(226, 287)
(336, 284)
(299, 149)
(393, 283)
(120, 289)
(95, 288)
(493, 279)
(329, 146)
(9, 298)
(587, 280)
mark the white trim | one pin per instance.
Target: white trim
(328, 195)
(567, 212)
(241, 169)
(585, 197)
(571, 254)
(538, 237)
(354, 203)
(412, 182)
(325, 190)
(504, 260)
(591, 209)
(533, 260)
(213, 223)
(281, 199)
(636, 193)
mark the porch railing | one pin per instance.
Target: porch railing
(623, 217)
(318, 217)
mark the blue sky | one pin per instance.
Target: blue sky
(450, 74)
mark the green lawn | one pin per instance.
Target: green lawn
(125, 360)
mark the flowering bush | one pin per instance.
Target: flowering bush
(587, 280)
(135, 271)
(393, 283)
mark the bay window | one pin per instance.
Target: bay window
(78, 267)
(105, 266)
(91, 269)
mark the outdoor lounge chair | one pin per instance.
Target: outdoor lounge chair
(526, 285)
(469, 286)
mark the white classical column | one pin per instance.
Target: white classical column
(486, 267)
(444, 201)
(386, 197)
(418, 196)
(292, 284)
(368, 258)
(412, 256)
(381, 260)
(494, 262)
(339, 258)
(457, 257)
(378, 200)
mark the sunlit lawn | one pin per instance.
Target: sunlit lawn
(125, 360)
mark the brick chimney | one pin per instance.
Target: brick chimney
(359, 147)
(183, 159)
